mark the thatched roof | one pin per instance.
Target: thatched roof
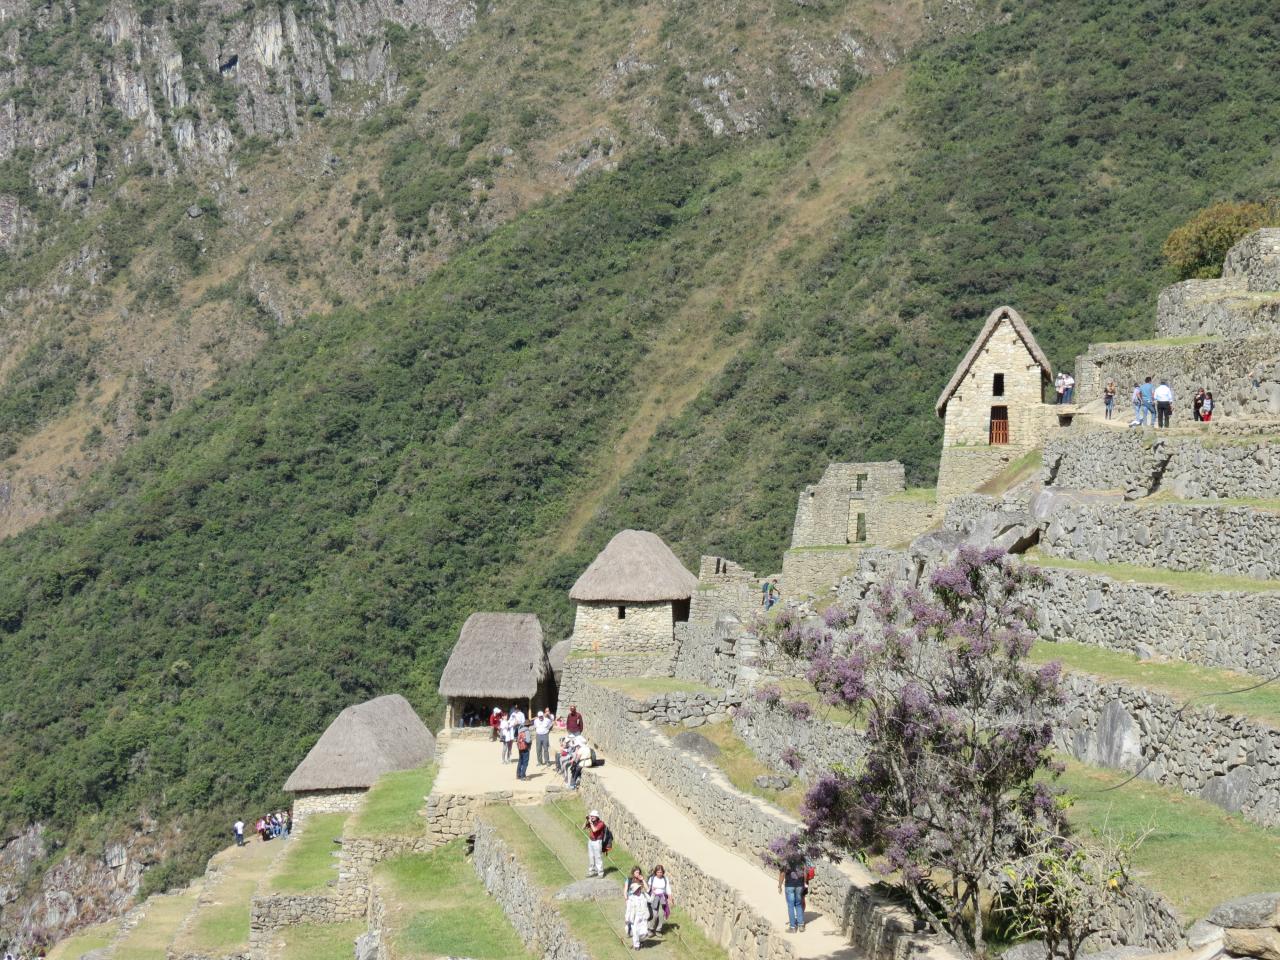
(557, 656)
(636, 567)
(993, 321)
(364, 742)
(497, 655)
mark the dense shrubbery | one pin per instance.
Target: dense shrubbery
(1196, 249)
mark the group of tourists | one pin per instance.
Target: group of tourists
(520, 735)
(647, 901)
(1065, 387)
(769, 593)
(1153, 403)
(269, 826)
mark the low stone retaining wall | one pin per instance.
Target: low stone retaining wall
(451, 815)
(326, 801)
(1171, 536)
(536, 920)
(372, 945)
(272, 913)
(1232, 630)
(709, 652)
(814, 571)
(582, 668)
(1230, 761)
(818, 744)
(689, 709)
(1143, 462)
(714, 905)
(742, 823)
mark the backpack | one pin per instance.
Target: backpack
(522, 742)
(608, 839)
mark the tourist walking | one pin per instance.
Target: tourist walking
(523, 738)
(1206, 407)
(1068, 387)
(542, 731)
(1164, 404)
(495, 721)
(791, 882)
(508, 737)
(517, 716)
(1196, 402)
(1059, 385)
(596, 833)
(636, 913)
(1109, 397)
(660, 893)
(237, 829)
(1148, 402)
(573, 723)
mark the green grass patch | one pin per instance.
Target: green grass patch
(1184, 341)
(797, 689)
(93, 938)
(652, 686)
(547, 841)
(321, 941)
(438, 907)
(311, 860)
(150, 939)
(1184, 581)
(1024, 468)
(741, 766)
(1198, 855)
(394, 806)
(1180, 680)
(1266, 504)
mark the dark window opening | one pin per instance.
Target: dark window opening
(680, 611)
(622, 613)
(860, 535)
(997, 385)
(859, 481)
(999, 425)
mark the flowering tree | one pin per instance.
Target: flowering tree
(955, 737)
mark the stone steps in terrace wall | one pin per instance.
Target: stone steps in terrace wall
(1243, 373)
(1165, 534)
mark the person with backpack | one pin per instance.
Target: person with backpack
(660, 895)
(636, 913)
(523, 745)
(599, 840)
(1206, 408)
(791, 879)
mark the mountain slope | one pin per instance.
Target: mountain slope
(679, 344)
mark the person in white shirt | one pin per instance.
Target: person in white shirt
(517, 716)
(238, 829)
(507, 731)
(660, 893)
(542, 732)
(1068, 387)
(1164, 404)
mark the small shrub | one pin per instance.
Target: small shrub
(1196, 249)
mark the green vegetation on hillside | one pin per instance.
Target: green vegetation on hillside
(310, 861)
(315, 529)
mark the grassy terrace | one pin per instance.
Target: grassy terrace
(150, 939)
(437, 907)
(311, 861)
(93, 938)
(548, 844)
(313, 941)
(221, 922)
(741, 766)
(1198, 854)
(1185, 581)
(1263, 504)
(652, 686)
(1022, 469)
(1184, 341)
(394, 806)
(1180, 680)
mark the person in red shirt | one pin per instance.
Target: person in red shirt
(495, 720)
(596, 829)
(573, 722)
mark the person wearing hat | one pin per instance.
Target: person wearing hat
(542, 732)
(495, 720)
(596, 829)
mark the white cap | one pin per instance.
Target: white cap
(594, 813)
(497, 709)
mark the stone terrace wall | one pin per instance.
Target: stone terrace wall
(740, 822)
(724, 589)
(1229, 368)
(1172, 536)
(963, 469)
(713, 904)
(453, 815)
(1215, 307)
(689, 709)
(646, 627)
(815, 570)
(709, 652)
(1141, 463)
(824, 512)
(820, 744)
(1227, 760)
(326, 801)
(1234, 631)
(270, 914)
(539, 925)
(1255, 261)
(964, 511)
(580, 669)
(896, 519)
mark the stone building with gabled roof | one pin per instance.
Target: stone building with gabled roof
(993, 407)
(499, 660)
(363, 742)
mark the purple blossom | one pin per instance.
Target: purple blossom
(799, 710)
(790, 758)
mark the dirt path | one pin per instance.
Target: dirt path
(471, 767)
(821, 939)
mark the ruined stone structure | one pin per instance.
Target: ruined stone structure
(993, 408)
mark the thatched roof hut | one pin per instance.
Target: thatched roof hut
(498, 655)
(557, 655)
(636, 567)
(364, 742)
(998, 315)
